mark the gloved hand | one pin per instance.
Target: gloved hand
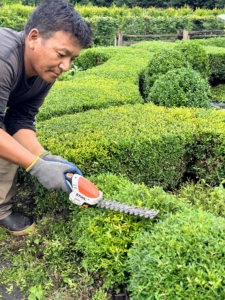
(51, 174)
(56, 158)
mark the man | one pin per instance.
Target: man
(30, 62)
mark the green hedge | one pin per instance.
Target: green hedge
(96, 56)
(149, 144)
(152, 46)
(182, 258)
(104, 237)
(105, 24)
(104, 29)
(215, 42)
(213, 49)
(216, 62)
(196, 55)
(123, 11)
(218, 93)
(181, 87)
(202, 195)
(160, 63)
(14, 16)
(92, 92)
(111, 84)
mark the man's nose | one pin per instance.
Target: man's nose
(65, 64)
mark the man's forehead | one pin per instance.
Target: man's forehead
(63, 41)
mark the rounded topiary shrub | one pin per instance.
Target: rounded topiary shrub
(182, 258)
(196, 55)
(160, 63)
(180, 87)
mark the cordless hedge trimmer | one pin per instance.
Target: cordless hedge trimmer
(85, 193)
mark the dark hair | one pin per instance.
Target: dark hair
(58, 15)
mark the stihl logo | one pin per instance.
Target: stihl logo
(80, 196)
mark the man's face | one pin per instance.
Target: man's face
(48, 58)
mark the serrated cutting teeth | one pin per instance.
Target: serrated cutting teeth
(128, 209)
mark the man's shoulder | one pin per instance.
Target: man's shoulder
(10, 40)
(6, 33)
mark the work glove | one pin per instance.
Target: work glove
(56, 158)
(51, 174)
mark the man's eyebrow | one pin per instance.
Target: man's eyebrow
(66, 51)
(69, 53)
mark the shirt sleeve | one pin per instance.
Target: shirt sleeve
(5, 87)
(23, 115)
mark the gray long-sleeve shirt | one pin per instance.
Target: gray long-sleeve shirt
(20, 98)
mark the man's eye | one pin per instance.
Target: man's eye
(60, 54)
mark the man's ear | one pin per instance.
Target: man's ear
(33, 37)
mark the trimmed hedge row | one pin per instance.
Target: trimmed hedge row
(149, 144)
(96, 56)
(92, 92)
(114, 83)
(216, 42)
(113, 11)
(113, 75)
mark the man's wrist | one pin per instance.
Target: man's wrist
(42, 152)
(33, 163)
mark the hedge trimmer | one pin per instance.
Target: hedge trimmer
(85, 193)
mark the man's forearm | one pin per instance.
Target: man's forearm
(17, 149)
(27, 138)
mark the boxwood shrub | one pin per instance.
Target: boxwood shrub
(160, 63)
(182, 258)
(180, 87)
(196, 55)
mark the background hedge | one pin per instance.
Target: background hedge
(106, 21)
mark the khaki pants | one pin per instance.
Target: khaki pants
(8, 180)
(8, 189)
